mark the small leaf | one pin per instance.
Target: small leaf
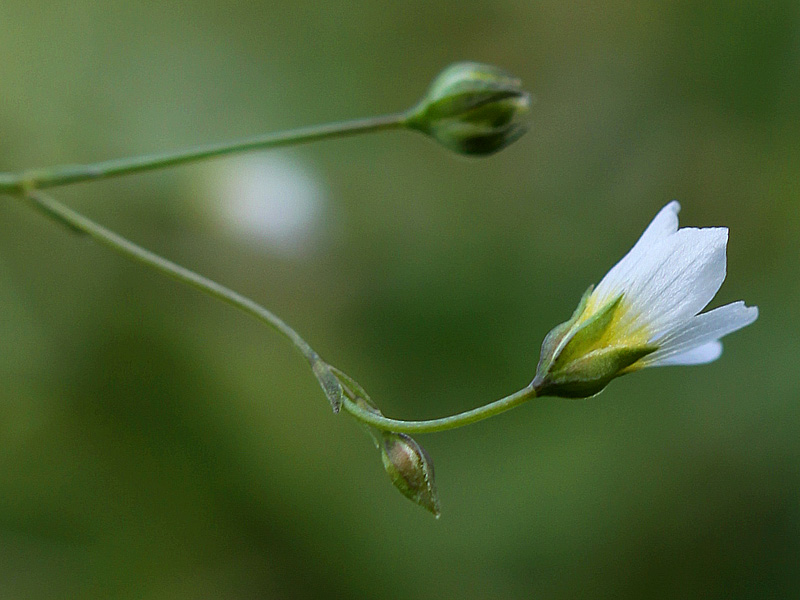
(329, 383)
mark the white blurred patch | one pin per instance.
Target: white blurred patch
(268, 200)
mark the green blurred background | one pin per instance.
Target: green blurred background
(157, 444)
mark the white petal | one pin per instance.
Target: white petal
(663, 225)
(697, 356)
(679, 278)
(669, 275)
(701, 330)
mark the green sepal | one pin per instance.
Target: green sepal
(589, 374)
(588, 333)
(478, 104)
(467, 138)
(572, 365)
(553, 341)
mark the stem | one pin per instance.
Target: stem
(433, 425)
(66, 174)
(325, 374)
(77, 222)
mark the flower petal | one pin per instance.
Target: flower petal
(668, 276)
(663, 225)
(697, 356)
(700, 331)
(679, 278)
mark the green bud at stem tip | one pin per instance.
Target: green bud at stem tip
(410, 469)
(473, 109)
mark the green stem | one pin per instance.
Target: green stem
(325, 374)
(66, 174)
(77, 222)
(445, 423)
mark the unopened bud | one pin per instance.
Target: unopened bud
(473, 108)
(410, 469)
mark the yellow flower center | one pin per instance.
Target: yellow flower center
(622, 329)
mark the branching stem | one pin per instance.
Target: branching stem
(324, 373)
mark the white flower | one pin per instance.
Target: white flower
(644, 312)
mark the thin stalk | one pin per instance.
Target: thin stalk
(325, 374)
(17, 183)
(77, 222)
(444, 423)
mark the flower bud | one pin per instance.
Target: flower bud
(473, 108)
(580, 357)
(410, 469)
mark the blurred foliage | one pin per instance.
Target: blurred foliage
(156, 444)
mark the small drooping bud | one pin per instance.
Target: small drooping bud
(410, 469)
(473, 109)
(580, 357)
(408, 465)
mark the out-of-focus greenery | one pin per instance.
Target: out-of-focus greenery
(156, 444)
